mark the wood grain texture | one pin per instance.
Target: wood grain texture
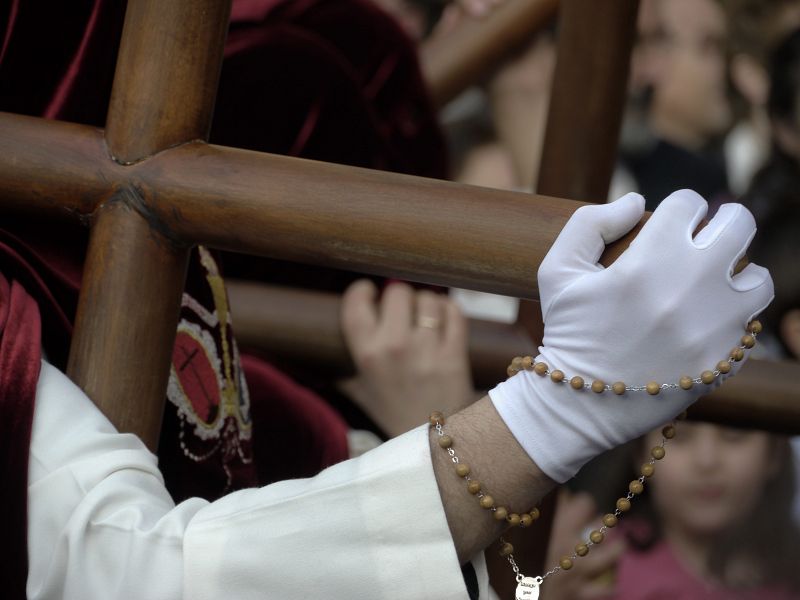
(303, 326)
(457, 60)
(167, 74)
(587, 98)
(163, 95)
(127, 317)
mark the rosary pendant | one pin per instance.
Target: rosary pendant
(528, 588)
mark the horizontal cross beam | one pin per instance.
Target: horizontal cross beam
(344, 217)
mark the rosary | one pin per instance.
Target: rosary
(528, 588)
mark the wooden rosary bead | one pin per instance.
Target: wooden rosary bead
(527, 363)
(648, 469)
(658, 452)
(525, 520)
(445, 441)
(636, 487)
(473, 487)
(598, 386)
(565, 563)
(576, 383)
(514, 519)
(748, 341)
(540, 369)
(754, 327)
(707, 377)
(724, 366)
(511, 371)
(581, 549)
(462, 470)
(653, 388)
(610, 520)
(506, 549)
(501, 513)
(534, 513)
(436, 418)
(618, 388)
(737, 354)
(516, 362)
(668, 432)
(596, 536)
(686, 382)
(557, 376)
(623, 505)
(486, 502)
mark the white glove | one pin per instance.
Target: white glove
(667, 307)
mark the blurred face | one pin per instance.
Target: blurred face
(688, 66)
(711, 478)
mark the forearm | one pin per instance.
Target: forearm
(498, 462)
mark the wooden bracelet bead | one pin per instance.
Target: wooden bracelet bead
(754, 327)
(576, 383)
(610, 520)
(623, 505)
(445, 441)
(618, 387)
(527, 363)
(686, 382)
(636, 487)
(748, 341)
(658, 452)
(653, 388)
(486, 502)
(514, 519)
(506, 549)
(598, 387)
(534, 513)
(436, 418)
(473, 487)
(707, 377)
(557, 376)
(581, 549)
(565, 563)
(540, 369)
(462, 470)
(525, 520)
(648, 469)
(668, 432)
(596, 536)
(737, 354)
(724, 366)
(501, 513)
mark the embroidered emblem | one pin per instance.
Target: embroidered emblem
(206, 382)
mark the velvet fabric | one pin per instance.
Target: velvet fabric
(20, 361)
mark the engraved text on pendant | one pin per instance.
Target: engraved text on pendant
(528, 589)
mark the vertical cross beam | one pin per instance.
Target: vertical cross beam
(581, 137)
(163, 95)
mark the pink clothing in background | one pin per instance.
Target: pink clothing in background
(657, 574)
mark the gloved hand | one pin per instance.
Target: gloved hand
(669, 306)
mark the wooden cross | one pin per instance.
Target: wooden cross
(152, 187)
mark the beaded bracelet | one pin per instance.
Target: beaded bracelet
(527, 363)
(528, 588)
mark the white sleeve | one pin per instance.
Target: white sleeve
(102, 525)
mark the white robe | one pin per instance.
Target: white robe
(102, 525)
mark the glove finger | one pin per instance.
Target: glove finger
(583, 239)
(679, 213)
(728, 234)
(755, 285)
